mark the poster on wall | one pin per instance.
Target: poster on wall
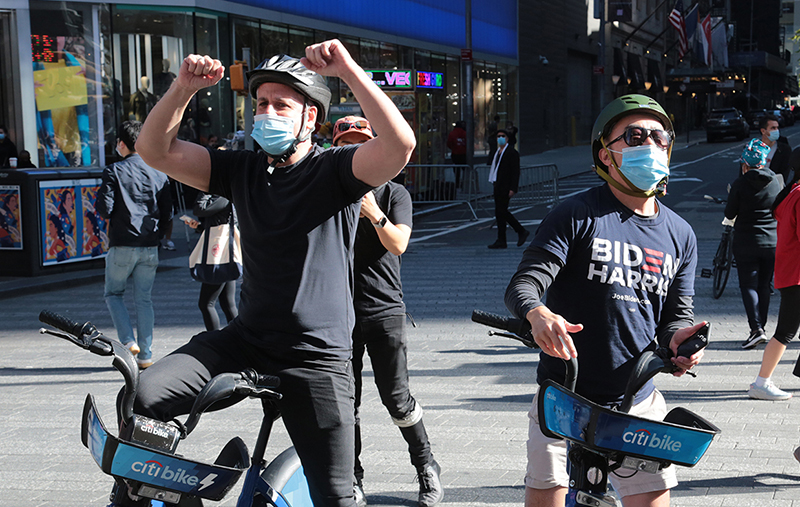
(10, 219)
(72, 230)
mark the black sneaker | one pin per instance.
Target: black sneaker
(361, 498)
(522, 237)
(430, 487)
(756, 337)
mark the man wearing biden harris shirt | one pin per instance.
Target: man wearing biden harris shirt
(631, 262)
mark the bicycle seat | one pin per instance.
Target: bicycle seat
(682, 438)
(161, 475)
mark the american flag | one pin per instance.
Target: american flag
(676, 19)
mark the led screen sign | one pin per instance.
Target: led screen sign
(430, 80)
(392, 79)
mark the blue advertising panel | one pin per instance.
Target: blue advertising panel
(72, 230)
(10, 218)
(494, 24)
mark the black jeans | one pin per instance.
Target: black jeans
(755, 276)
(504, 217)
(317, 405)
(209, 294)
(384, 340)
(788, 315)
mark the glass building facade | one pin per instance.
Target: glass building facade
(90, 66)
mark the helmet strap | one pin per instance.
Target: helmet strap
(660, 190)
(283, 157)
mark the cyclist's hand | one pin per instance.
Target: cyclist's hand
(329, 58)
(552, 332)
(199, 72)
(680, 336)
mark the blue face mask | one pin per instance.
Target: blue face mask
(275, 134)
(2, 137)
(501, 141)
(644, 166)
(774, 135)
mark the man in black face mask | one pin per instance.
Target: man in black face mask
(299, 209)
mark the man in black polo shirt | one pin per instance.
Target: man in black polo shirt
(298, 211)
(383, 233)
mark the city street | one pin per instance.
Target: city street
(475, 389)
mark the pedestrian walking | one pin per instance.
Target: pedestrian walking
(504, 176)
(786, 208)
(750, 203)
(136, 201)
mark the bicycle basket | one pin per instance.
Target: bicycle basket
(136, 463)
(682, 438)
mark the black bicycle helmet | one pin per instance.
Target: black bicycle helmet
(289, 71)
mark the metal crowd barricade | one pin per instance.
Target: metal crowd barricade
(538, 184)
(447, 184)
(442, 184)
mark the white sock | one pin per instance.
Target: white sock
(762, 381)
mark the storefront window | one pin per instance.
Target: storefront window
(298, 41)
(390, 56)
(274, 40)
(148, 49)
(246, 35)
(370, 54)
(212, 120)
(67, 65)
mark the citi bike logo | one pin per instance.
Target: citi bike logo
(153, 468)
(646, 439)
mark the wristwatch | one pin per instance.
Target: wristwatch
(381, 223)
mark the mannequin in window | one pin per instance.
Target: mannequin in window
(142, 101)
(163, 81)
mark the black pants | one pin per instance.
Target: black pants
(788, 315)
(209, 294)
(755, 276)
(504, 217)
(317, 405)
(384, 340)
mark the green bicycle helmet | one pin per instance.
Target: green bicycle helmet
(289, 71)
(616, 109)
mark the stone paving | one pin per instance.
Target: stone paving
(476, 389)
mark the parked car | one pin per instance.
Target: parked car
(726, 122)
(781, 119)
(756, 117)
(787, 115)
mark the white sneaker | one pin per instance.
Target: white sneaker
(167, 244)
(768, 392)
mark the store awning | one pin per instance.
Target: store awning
(619, 65)
(635, 73)
(654, 74)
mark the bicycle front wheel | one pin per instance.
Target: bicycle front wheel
(722, 266)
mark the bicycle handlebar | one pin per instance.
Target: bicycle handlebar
(521, 331)
(649, 364)
(88, 337)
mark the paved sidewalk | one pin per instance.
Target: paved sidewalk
(476, 389)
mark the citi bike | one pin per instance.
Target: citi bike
(142, 457)
(723, 259)
(603, 440)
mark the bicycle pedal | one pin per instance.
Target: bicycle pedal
(705, 273)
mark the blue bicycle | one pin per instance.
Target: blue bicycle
(142, 458)
(602, 440)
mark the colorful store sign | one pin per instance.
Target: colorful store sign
(430, 80)
(391, 79)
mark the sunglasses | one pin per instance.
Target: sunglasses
(636, 136)
(358, 124)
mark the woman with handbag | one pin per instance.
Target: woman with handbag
(214, 211)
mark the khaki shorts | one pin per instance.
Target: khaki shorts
(547, 457)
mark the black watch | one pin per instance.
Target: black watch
(381, 223)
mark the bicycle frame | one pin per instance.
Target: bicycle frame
(723, 261)
(143, 455)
